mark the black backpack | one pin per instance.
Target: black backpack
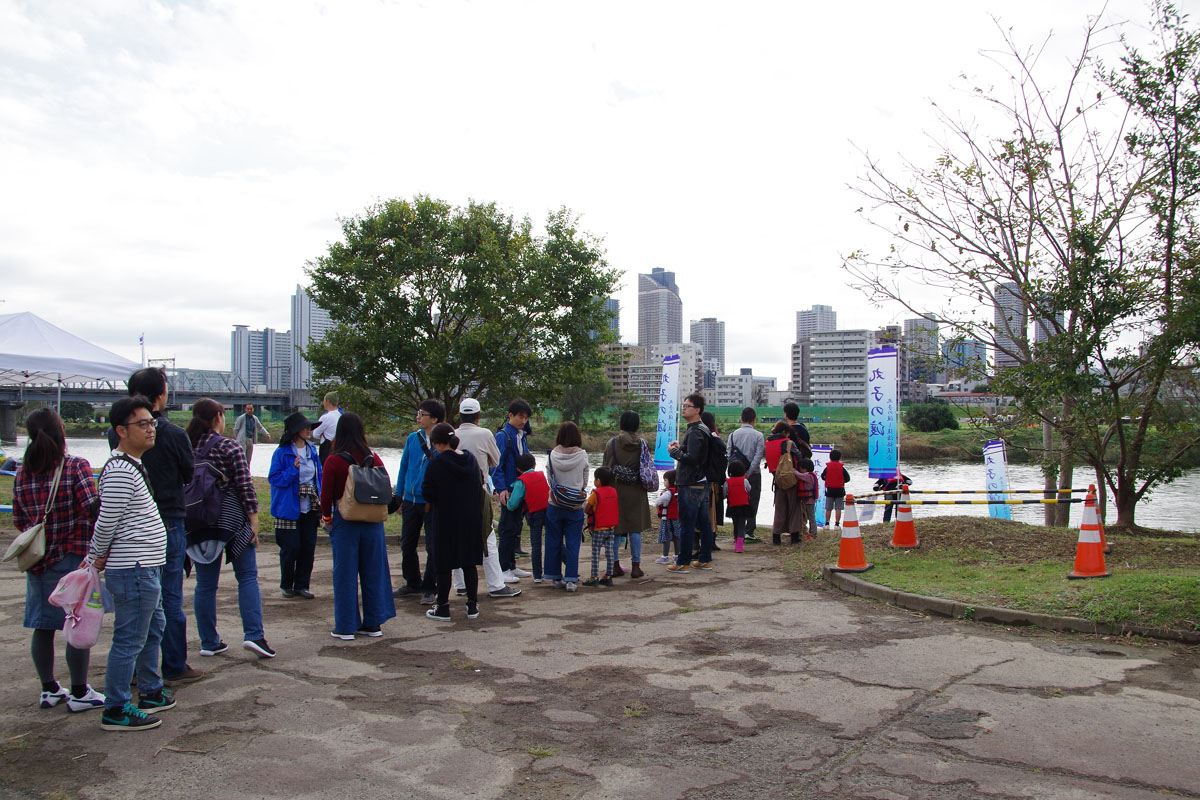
(203, 496)
(715, 459)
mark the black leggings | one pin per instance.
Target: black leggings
(41, 647)
(470, 578)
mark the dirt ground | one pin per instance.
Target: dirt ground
(742, 682)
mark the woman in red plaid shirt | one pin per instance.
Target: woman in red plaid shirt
(68, 531)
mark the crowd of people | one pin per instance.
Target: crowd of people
(170, 499)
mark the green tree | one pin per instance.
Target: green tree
(931, 416)
(1082, 209)
(431, 300)
(76, 411)
(588, 390)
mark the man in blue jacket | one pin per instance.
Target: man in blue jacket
(412, 505)
(510, 441)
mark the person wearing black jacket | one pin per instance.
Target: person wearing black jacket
(170, 465)
(691, 457)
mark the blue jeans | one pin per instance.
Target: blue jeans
(635, 548)
(204, 601)
(508, 533)
(360, 557)
(693, 511)
(537, 521)
(138, 625)
(564, 532)
(174, 640)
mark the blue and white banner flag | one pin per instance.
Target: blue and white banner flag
(668, 413)
(995, 464)
(883, 443)
(820, 458)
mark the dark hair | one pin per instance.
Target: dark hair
(149, 382)
(709, 420)
(443, 433)
(630, 421)
(568, 435)
(468, 417)
(604, 475)
(350, 435)
(433, 408)
(123, 409)
(835, 455)
(791, 410)
(526, 462)
(696, 399)
(519, 406)
(204, 413)
(749, 415)
(781, 427)
(669, 477)
(807, 465)
(47, 441)
(737, 468)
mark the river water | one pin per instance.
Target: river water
(1175, 506)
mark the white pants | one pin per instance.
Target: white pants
(492, 575)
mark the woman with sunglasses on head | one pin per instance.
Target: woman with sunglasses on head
(235, 536)
(70, 512)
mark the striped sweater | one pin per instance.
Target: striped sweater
(129, 529)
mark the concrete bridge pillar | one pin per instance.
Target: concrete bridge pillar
(8, 422)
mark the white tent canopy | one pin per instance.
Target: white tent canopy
(32, 351)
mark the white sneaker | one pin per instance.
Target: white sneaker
(571, 586)
(520, 573)
(663, 560)
(509, 577)
(51, 699)
(537, 580)
(92, 699)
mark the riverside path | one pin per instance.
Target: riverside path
(743, 682)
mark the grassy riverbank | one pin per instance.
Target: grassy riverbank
(1155, 579)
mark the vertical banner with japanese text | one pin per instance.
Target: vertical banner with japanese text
(995, 465)
(883, 444)
(820, 458)
(668, 413)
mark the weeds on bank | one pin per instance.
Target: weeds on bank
(542, 752)
(1155, 579)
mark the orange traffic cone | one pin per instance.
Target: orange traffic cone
(1103, 540)
(851, 557)
(1089, 553)
(904, 535)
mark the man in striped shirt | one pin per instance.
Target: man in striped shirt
(129, 542)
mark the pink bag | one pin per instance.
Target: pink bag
(79, 594)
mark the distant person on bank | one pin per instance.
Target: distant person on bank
(235, 536)
(246, 430)
(69, 518)
(295, 479)
(327, 428)
(170, 466)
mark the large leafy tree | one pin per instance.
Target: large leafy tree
(436, 301)
(1083, 209)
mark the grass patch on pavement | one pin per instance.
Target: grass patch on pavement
(1155, 578)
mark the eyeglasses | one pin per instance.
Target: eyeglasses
(424, 414)
(144, 424)
(687, 405)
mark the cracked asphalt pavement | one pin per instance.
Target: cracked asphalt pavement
(743, 682)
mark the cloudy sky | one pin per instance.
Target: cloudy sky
(171, 166)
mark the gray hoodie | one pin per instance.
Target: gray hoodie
(570, 468)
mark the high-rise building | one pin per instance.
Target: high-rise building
(709, 333)
(310, 323)
(613, 306)
(838, 375)
(921, 348)
(660, 311)
(801, 370)
(964, 358)
(260, 358)
(618, 372)
(734, 390)
(1010, 317)
(1046, 326)
(817, 319)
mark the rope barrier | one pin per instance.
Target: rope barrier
(886, 492)
(1042, 501)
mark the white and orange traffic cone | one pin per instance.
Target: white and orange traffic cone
(904, 535)
(1089, 553)
(850, 556)
(1103, 539)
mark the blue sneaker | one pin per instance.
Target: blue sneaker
(127, 718)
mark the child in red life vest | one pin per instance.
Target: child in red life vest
(737, 497)
(533, 492)
(667, 505)
(836, 477)
(807, 488)
(602, 513)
